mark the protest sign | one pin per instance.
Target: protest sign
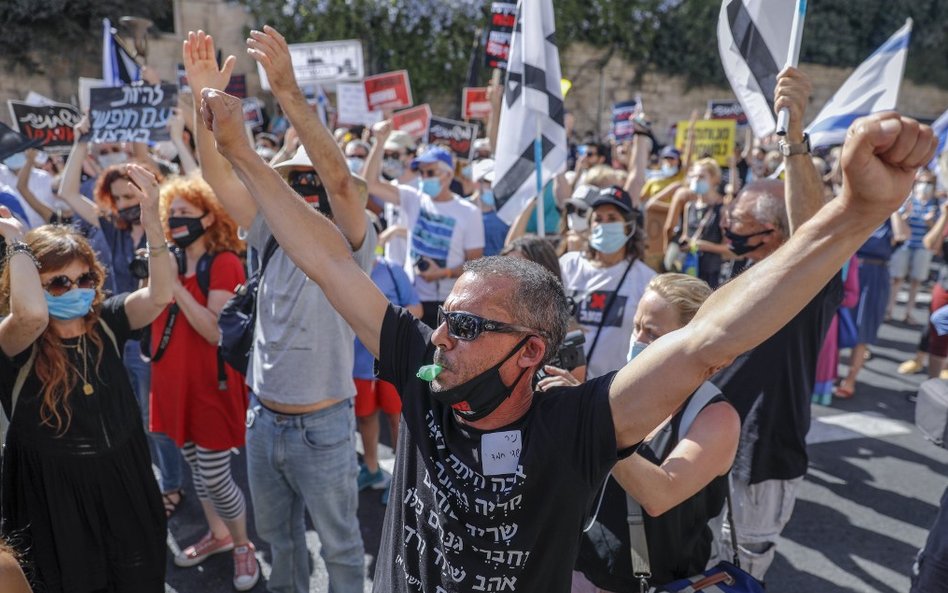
(51, 125)
(457, 135)
(86, 85)
(351, 107)
(714, 137)
(237, 86)
(325, 63)
(131, 113)
(182, 77)
(727, 110)
(12, 142)
(475, 103)
(388, 91)
(253, 112)
(622, 129)
(503, 16)
(414, 121)
(34, 98)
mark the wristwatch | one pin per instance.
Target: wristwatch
(790, 149)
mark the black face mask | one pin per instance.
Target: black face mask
(478, 397)
(185, 229)
(308, 191)
(132, 214)
(738, 243)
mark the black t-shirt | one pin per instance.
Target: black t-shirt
(498, 510)
(770, 386)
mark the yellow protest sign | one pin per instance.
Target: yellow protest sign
(712, 136)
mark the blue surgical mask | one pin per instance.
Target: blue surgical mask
(635, 350)
(669, 170)
(15, 161)
(71, 304)
(467, 171)
(355, 164)
(608, 237)
(699, 186)
(431, 186)
(487, 198)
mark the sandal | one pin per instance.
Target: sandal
(843, 392)
(172, 505)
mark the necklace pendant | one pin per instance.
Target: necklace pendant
(88, 389)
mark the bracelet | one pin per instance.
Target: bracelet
(17, 246)
(154, 251)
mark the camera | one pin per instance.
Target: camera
(138, 267)
(422, 264)
(571, 353)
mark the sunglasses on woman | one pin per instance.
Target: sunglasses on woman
(59, 285)
(467, 326)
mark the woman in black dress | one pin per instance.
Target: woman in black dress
(78, 493)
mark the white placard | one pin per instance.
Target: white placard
(500, 452)
(325, 63)
(34, 98)
(351, 105)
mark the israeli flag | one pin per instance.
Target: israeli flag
(532, 105)
(872, 87)
(753, 40)
(118, 67)
(940, 128)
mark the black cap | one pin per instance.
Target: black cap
(616, 196)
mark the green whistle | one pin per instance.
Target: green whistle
(429, 372)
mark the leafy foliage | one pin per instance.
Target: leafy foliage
(33, 31)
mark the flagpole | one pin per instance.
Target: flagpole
(538, 160)
(793, 58)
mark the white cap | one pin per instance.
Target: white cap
(300, 159)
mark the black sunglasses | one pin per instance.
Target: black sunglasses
(60, 285)
(467, 326)
(303, 178)
(573, 209)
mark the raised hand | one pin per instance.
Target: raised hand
(880, 156)
(271, 51)
(200, 63)
(383, 130)
(176, 124)
(82, 127)
(223, 115)
(793, 92)
(146, 184)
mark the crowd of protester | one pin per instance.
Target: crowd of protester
(120, 260)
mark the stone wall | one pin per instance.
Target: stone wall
(595, 87)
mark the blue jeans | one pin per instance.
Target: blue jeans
(164, 452)
(931, 569)
(306, 463)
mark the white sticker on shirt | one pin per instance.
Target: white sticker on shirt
(500, 452)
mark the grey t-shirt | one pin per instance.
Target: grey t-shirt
(302, 351)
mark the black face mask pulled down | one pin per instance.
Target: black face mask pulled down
(132, 214)
(738, 243)
(481, 395)
(185, 230)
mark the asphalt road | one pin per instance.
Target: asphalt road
(863, 512)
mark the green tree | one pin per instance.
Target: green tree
(33, 31)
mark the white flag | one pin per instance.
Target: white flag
(532, 102)
(753, 40)
(872, 87)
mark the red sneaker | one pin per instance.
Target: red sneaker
(246, 569)
(198, 552)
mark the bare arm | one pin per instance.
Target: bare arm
(176, 123)
(23, 187)
(804, 186)
(313, 243)
(900, 228)
(373, 167)
(84, 208)
(880, 156)
(202, 319)
(346, 197)
(519, 226)
(495, 94)
(28, 316)
(200, 64)
(145, 304)
(706, 452)
(935, 235)
(638, 164)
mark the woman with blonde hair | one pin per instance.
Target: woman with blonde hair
(196, 399)
(78, 492)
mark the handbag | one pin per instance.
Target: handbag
(848, 333)
(239, 314)
(725, 577)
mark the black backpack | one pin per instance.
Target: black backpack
(203, 273)
(239, 315)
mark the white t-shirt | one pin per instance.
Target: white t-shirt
(593, 288)
(441, 231)
(41, 184)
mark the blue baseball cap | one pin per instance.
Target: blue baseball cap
(433, 154)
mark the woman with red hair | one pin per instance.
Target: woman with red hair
(196, 399)
(78, 493)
